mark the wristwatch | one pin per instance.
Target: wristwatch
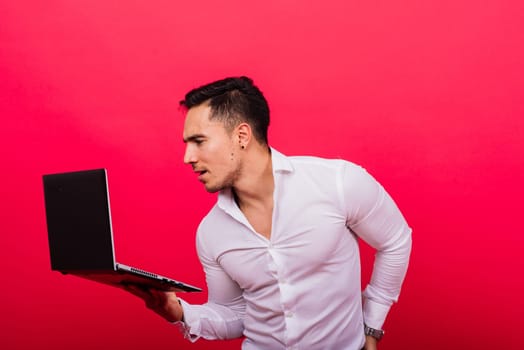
(375, 333)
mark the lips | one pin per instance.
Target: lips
(200, 173)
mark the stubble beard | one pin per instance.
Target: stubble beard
(228, 181)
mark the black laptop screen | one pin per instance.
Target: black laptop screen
(78, 220)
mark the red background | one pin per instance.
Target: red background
(427, 95)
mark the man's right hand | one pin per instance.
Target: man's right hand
(165, 304)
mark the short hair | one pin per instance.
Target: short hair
(233, 100)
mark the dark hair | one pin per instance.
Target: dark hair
(233, 100)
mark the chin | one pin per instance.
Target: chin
(212, 190)
(216, 188)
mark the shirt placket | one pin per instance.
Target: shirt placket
(279, 271)
(277, 268)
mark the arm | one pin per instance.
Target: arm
(371, 343)
(222, 316)
(374, 216)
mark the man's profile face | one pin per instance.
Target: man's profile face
(210, 149)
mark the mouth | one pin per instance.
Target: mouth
(200, 174)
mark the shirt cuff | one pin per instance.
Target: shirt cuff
(375, 314)
(184, 326)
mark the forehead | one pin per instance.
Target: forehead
(197, 123)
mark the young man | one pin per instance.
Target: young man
(279, 248)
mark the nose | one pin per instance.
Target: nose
(189, 155)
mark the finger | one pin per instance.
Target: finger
(159, 299)
(156, 299)
(158, 294)
(137, 291)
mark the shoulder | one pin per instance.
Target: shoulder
(349, 180)
(205, 229)
(215, 231)
(331, 178)
(316, 162)
(331, 165)
(210, 221)
(285, 163)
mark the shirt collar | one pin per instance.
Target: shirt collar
(281, 163)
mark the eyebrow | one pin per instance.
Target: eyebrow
(193, 138)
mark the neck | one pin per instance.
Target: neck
(256, 184)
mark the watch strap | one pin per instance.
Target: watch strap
(375, 333)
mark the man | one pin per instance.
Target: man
(279, 248)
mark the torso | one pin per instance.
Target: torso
(260, 217)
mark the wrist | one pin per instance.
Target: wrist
(376, 334)
(181, 314)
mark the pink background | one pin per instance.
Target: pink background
(427, 95)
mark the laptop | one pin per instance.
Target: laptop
(81, 236)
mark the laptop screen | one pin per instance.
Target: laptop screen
(79, 221)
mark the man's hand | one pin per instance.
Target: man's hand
(163, 303)
(371, 343)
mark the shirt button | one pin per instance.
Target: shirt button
(289, 314)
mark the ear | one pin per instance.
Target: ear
(244, 134)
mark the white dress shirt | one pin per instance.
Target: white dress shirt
(301, 289)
